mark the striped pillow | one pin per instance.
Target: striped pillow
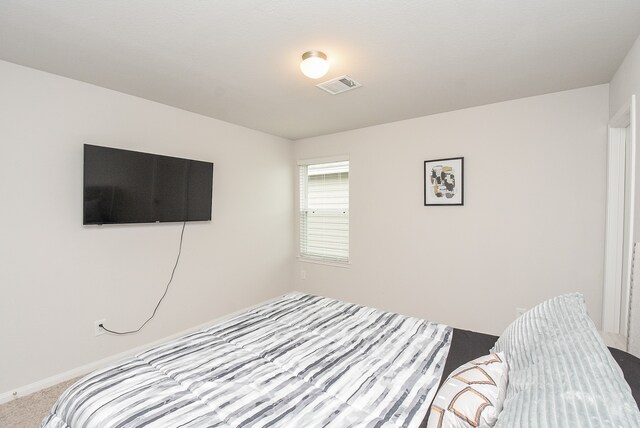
(560, 372)
(472, 395)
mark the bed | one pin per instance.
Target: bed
(301, 360)
(307, 361)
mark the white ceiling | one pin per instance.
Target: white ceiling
(237, 60)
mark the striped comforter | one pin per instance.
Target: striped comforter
(299, 361)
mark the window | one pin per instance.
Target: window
(324, 211)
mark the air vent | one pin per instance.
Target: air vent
(339, 85)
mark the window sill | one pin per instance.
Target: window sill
(324, 262)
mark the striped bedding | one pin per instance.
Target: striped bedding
(299, 361)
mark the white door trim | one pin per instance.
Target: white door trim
(614, 234)
(619, 221)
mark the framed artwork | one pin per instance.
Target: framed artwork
(443, 182)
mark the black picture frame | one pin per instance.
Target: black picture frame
(441, 193)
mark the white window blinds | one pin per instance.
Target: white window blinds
(324, 211)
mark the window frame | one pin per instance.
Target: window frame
(319, 259)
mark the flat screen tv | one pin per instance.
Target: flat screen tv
(123, 186)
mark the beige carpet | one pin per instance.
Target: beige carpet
(28, 412)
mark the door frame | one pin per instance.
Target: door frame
(621, 166)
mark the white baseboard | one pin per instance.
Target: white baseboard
(87, 368)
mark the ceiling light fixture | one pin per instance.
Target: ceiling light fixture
(314, 64)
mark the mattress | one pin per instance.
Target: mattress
(301, 360)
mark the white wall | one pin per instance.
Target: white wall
(532, 226)
(57, 277)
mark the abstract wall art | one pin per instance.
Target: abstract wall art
(443, 182)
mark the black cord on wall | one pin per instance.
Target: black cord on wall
(161, 298)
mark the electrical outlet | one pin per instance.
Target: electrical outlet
(303, 274)
(97, 330)
(520, 311)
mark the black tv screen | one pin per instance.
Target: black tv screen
(123, 186)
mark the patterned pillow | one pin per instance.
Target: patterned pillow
(472, 395)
